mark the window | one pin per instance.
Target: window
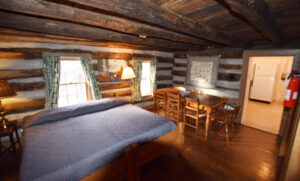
(146, 82)
(73, 87)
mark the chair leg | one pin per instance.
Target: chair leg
(227, 135)
(197, 125)
(18, 138)
(12, 142)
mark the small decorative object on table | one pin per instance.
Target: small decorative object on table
(5, 91)
(128, 74)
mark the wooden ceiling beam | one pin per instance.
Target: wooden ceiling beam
(258, 14)
(153, 14)
(73, 14)
(35, 24)
(7, 34)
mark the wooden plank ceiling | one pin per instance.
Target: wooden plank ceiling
(158, 24)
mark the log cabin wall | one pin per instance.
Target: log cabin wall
(21, 65)
(229, 71)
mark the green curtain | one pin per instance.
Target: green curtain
(137, 67)
(153, 73)
(90, 75)
(51, 68)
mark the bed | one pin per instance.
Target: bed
(107, 139)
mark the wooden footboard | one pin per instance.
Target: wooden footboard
(137, 156)
(119, 170)
(146, 153)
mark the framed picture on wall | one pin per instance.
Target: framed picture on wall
(202, 71)
(110, 70)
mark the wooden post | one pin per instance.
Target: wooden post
(130, 156)
(181, 133)
(136, 170)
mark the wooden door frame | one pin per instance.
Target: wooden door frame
(262, 53)
(295, 118)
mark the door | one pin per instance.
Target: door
(263, 81)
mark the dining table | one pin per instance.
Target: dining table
(209, 102)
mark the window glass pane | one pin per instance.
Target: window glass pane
(80, 77)
(81, 98)
(146, 80)
(72, 88)
(146, 70)
(72, 99)
(81, 89)
(62, 101)
(62, 90)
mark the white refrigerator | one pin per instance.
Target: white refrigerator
(263, 82)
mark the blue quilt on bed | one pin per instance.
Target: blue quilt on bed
(72, 142)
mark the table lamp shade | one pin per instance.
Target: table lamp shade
(128, 73)
(5, 89)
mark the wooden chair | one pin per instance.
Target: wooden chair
(224, 116)
(193, 110)
(196, 91)
(173, 106)
(160, 102)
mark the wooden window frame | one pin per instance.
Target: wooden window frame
(151, 85)
(88, 91)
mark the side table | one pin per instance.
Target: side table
(9, 131)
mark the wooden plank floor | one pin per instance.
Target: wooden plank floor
(250, 156)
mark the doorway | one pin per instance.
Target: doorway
(265, 91)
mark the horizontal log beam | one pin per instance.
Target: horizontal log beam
(179, 73)
(163, 77)
(15, 74)
(178, 82)
(73, 14)
(180, 64)
(180, 55)
(21, 22)
(140, 10)
(11, 55)
(224, 52)
(258, 14)
(26, 36)
(28, 105)
(116, 94)
(27, 86)
(113, 55)
(113, 86)
(229, 76)
(37, 53)
(163, 68)
(228, 66)
(143, 56)
(160, 86)
(165, 59)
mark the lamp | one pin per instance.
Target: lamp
(5, 91)
(128, 74)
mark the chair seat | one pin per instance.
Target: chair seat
(192, 114)
(221, 117)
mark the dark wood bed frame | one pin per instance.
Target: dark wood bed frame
(137, 156)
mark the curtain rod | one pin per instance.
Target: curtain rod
(65, 54)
